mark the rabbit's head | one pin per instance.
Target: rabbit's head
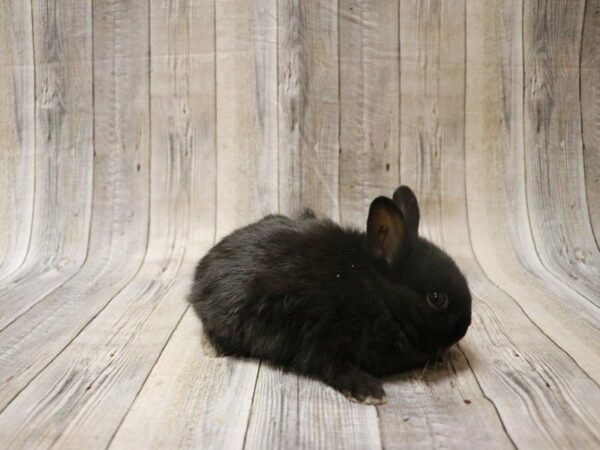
(425, 290)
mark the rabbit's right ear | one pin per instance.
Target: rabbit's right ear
(386, 230)
(406, 200)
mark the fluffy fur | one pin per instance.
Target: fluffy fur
(334, 303)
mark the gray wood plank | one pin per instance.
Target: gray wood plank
(119, 228)
(309, 110)
(369, 105)
(82, 395)
(428, 409)
(17, 133)
(555, 183)
(299, 107)
(64, 152)
(275, 417)
(246, 43)
(315, 415)
(289, 411)
(204, 401)
(497, 203)
(439, 406)
(215, 415)
(95, 380)
(590, 109)
(516, 343)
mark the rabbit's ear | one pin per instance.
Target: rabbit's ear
(386, 229)
(406, 200)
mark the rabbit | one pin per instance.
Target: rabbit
(334, 303)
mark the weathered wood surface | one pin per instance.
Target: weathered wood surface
(63, 130)
(590, 109)
(133, 134)
(17, 131)
(309, 105)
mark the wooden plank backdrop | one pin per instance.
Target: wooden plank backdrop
(136, 133)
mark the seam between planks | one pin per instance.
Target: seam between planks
(216, 118)
(339, 130)
(550, 272)
(493, 283)
(489, 399)
(78, 333)
(34, 143)
(587, 202)
(472, 251)
(34, 159)
(260, 365)
(277, 74)
(92, 181)
(137, 394)
(486, 274)
(145, 251)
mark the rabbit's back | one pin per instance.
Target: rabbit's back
(281, 287)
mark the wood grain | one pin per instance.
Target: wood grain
(432, 138)
(198, 413)
(432, 65)
(501, 231)
(590, 109)
(63, 162)
(430, 407)
(369, 105)
(528, 330)
(205, 402)
(246, 45)
(134, 134)
(309, 107)
(133, 329)
(17, 133)
(289, 411)
(555, 179)
(119, 228)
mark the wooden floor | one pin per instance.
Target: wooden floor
(135, 133)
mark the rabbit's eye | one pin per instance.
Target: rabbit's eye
(437, 299)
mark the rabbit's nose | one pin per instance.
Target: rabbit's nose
(459, 330)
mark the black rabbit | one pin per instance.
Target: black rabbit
(331, 302)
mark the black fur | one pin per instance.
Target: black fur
(330, 302)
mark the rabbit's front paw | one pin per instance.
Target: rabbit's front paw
(360, 387)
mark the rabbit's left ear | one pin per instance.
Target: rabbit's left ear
(386, 230)
(406, 200)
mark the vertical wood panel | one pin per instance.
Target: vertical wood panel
(107, 364)
(17, 132)
(64, 133)
(590, 109)
(63, 161)
(369, 103)
(554, 158)
(308, 106)
(369, 141)
(308, 163)
(432, 59)
(298, 107)
(501, 233)
(433, 413)
(205, 401)
(246, 111)
(120, 198)
(523, 366)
